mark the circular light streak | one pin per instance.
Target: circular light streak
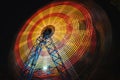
(74, 34)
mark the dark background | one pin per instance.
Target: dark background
(15, 13)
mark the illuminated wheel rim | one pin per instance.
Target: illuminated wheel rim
(74, 33)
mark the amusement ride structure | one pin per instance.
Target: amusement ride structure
(56, 38)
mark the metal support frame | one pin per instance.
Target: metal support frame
(31, 61)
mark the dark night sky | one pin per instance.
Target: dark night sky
(15, 13)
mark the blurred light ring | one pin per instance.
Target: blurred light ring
(80, 7)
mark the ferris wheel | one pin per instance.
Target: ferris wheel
(54, 39)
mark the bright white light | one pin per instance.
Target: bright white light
(45, 68)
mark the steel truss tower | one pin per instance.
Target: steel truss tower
(45, 40)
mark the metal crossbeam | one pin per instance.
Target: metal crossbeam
(56, 58)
